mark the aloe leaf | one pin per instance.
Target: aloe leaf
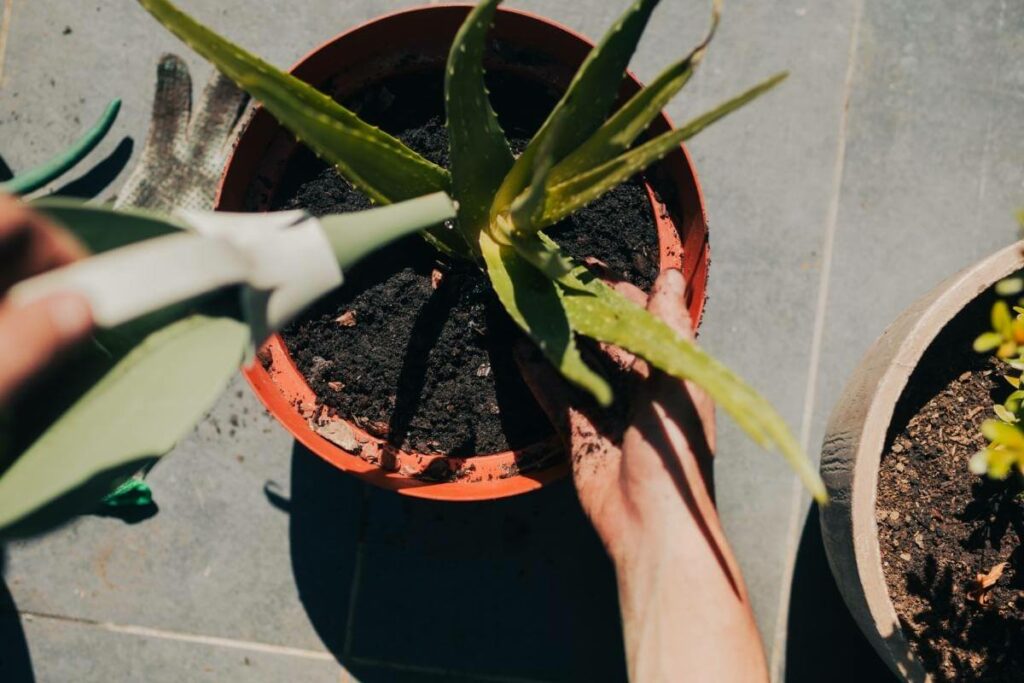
(572, 194)
(33, 179)
(480, 155)
(633, 118)
(597, 311)
(152, 398)
(534, 303)
(586, 102)
(376, 163)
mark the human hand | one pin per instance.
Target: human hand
(648, 491)
(33, 335)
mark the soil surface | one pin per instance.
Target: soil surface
(940, 526)
(418, 350)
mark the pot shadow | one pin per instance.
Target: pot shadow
(5, 171)
(15, 662)
(822, 639)
(399, 588)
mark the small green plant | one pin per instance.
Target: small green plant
(34, 178)
(1005, 451)
(581, 151)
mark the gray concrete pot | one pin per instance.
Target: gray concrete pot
(853, 445)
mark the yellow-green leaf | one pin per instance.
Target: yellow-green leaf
(533, 301)
(480, 155)
(586, 102)
(577, 191)
(987, 341)
(625, 125)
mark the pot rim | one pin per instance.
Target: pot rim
(268, 386)
(855, 440)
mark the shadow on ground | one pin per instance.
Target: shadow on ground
(400, 588)
(822, 639)
(15, 663)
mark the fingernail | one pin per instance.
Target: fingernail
(70, 315)
(674, 278)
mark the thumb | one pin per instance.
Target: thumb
(31, 336)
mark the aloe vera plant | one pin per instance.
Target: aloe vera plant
(581, 151)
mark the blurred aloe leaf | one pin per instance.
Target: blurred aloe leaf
(480, 155)
(375, 162)
(534, 302)
(110, 433)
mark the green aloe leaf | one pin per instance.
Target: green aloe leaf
(633, 118)
(480, 155)
(534, 302)
(375, 162)
(586, 102)
(135, 414)
(572, 194)
(35, 178)
(597, 311)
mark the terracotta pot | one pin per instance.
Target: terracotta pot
(854, 443)
(404, 42)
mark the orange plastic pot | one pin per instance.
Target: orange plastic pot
(403, 42)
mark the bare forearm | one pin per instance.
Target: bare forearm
(685, 613)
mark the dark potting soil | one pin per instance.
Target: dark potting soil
(940, 526)
(418, 350)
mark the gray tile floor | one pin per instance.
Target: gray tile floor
(890, 159)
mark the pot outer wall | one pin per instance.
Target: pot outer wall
(854, 443)
(413, 41)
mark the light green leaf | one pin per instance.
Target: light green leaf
(1004, 414)
(586, 102)
(598, 311)
(134, 415)
(533, 301)
(570, 195)
(987, 341)
(1010, 286)
(375, 162)
(480, 155)
(1002, 322)
(633, 118)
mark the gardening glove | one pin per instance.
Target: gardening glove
(186, 149)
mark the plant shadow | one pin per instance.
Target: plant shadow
(822, 639)
(94, 181)
(400, 588)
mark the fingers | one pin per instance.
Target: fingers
(589, 449)
(668, 302)
(30, 243)
(32, 336)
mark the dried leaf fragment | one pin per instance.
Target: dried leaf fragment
(338, 433)
(346, 319)
(983, 583)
